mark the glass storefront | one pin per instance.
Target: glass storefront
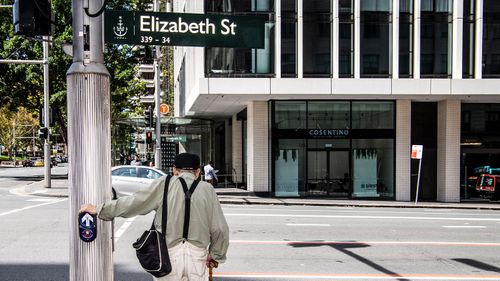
(341, 149)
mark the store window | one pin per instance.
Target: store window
(341, 149)
(372, 168)
(241, 62)
(376, 33)
(328, 115)
(373, 115)
(290, 115)
(317, 38)
(435, 43)
(491, 39)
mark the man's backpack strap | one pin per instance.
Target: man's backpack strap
(187, 208)
(164, 212)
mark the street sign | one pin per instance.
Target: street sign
(416, 151)
(183, 29)
(164, 109)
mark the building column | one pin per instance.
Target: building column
(277, 39)
(300, 39)
(258, 147)
(228, 136)
(395, 40)
(335, 39)
(478, 37)
(448, 155)
(357, 39)
(458, 34)
(403, 150)
(416, 39)
(237, 155)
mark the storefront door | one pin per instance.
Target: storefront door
(328, 173)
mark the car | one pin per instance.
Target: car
(128, 179)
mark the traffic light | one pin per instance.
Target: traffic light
(148, 117)
(43, 133)
(31, 17)
(149, 137)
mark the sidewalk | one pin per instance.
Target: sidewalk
(239, 196)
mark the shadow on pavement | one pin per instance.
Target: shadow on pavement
(345, 248)
(479, 265)
(58, 272)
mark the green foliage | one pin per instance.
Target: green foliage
(21, 85)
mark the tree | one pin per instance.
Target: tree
(21, 85)
(19, 124)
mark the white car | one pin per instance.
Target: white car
(127, 180)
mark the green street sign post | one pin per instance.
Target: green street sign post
(183, 29)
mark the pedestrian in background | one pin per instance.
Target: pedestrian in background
(208, 237)
(210, 173)
(136, 161)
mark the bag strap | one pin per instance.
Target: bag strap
(164, 212)
(187, 207)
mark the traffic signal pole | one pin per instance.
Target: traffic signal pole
(46, 101)
(89, 142)
(157, 98)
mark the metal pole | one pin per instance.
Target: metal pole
(46, 111)
(157, 99)
(89, 144)
(418, 180)
(14, 143)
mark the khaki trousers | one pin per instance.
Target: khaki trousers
(188, 263)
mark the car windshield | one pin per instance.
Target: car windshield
(486, 181)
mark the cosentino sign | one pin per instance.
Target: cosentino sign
(325, 133)
(183, 29)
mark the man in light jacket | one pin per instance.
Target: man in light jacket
(208, 237)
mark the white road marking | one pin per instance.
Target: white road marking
(123, 228)
(355, 276)
(30, 207)
(362, 217)
(464, 226)
(308, 224)
(360, 210)
(389, 243)
(42, 200)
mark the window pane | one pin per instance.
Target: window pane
(329, 115)
(232, 62)
(491, 37)
(373, 115)
(290, 166)
(406, 39)
(317, 37)
(436, 27)
(375, 38)
(373, 167)
(346, 38)
(288, 38)
(239, 5)
(289, 115)
(468, 40)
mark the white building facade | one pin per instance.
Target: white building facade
(341, 91)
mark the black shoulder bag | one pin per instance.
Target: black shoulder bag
(151, 247)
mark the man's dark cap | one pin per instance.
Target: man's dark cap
(187, 161)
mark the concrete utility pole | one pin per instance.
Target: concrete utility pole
(157, 69)
(89, 142)
(46, 111)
